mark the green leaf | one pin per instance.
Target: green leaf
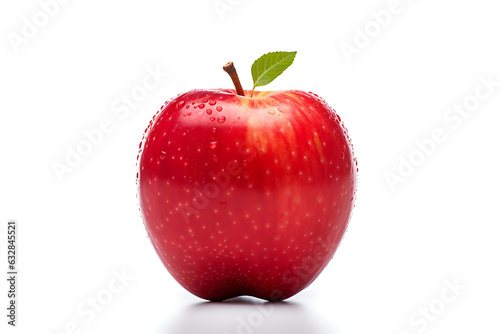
(270, 66)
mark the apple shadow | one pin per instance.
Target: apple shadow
(245, 315)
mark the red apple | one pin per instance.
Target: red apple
(246, 195)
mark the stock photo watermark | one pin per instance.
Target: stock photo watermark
(12, 271)
(255, 319)
(121, 107)
(453, 118)
(309, 265)
(299, 274)
(427, 314)
(31, 26)
(220, 181)
(363, 36)
(223, 7)
(88, 310)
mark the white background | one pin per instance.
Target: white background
(440, 225)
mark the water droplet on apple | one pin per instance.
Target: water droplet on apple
(214, 129)
(215, 158)
(219, 108)
(246, 175)
(187, 106)
(221, 119)
(213, 144)
(204, 100)
(163, 155)
(209, 111)
(244, 163)
(212, 119)
(223, 204)
(271, 111)
(201, 106)
(180, 104)
(212, 102)
(188, 113)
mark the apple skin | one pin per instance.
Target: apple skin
(246, 195)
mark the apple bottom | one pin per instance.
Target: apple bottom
(227, 283)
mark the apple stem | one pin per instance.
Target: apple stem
(231, 70)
